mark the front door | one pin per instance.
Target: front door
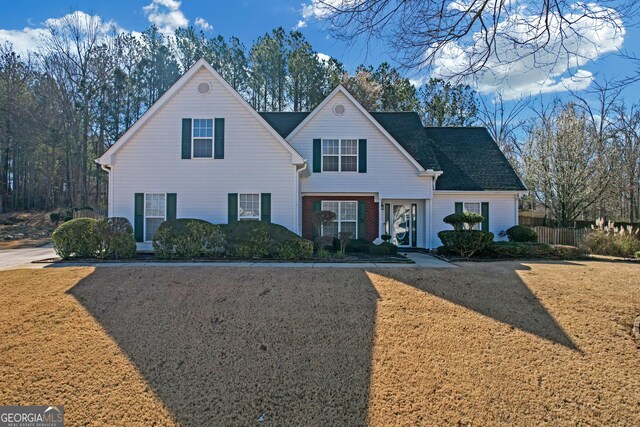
(402, 225)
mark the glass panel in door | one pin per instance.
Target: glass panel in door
(401, 225)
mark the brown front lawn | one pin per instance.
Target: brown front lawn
(506, 343)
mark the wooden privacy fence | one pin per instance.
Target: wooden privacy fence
(561, 236)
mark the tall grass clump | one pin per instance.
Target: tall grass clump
(607, 239)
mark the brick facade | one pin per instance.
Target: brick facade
(372, 214)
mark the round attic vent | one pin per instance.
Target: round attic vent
(339, 109)
(204, 87)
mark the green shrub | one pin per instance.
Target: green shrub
(323, 254)
(359, 245)
(55, 217)
(382, 249)
(76, 237)
(522, 233)
(258, 239)
(465, 243)
(458, 220)
(638, 254)
(531, 250)
(188, 238)
(116, 239)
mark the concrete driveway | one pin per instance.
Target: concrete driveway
(21, 258)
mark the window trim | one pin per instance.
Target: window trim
(193, 138)
(338, 220)
(339, 155)
(479, 225)
(259, 217)
(164, 217)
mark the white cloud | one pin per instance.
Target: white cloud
(301, 24)
(29, 38)
(323, 57)
(522, 69)
(322, 9)
(203, 24)
(166, 15)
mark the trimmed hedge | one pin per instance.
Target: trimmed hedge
(188, 238)
(458, 220)
(531, 250)
(465, 243)
(522, 233)
(76, 237)
(115, 237)
(366, 247)
(258, 239)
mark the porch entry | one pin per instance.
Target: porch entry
(401, 223)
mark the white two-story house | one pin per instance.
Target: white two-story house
(201, 151)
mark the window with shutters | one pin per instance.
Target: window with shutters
(339, 155)
(248, 206)
(473, 207)
(346, 218)
(202, 138)
(155, 209)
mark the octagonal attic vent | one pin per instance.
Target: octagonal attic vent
(339, 109)
(204, 87)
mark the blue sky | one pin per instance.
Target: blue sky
(248, 19)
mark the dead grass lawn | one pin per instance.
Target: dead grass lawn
(488, 344)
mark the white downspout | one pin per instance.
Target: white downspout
(299, 199)
(107, 169)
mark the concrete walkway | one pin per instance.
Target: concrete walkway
(22, 258)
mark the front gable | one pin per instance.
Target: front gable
(385, 157)
(184, 100)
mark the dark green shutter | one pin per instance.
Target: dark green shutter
(218, 149)
(387, 219)
(458, 207)
(362, 219)
(186, 138)
(265, 207)
(316, 207)
(138, 221)
(171, 206)
(414, 225)
(233, 208)
(362, 155)
(317, 156)
(485, 215)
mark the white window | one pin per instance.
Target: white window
(340, 155)
(473, 207)
(248, 206)
(154, 213)
(202, 138)
(346, 218)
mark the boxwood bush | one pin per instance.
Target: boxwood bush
(188, 238)
(258, 239)
(76, 237)
(384, 248)
(115, 238)
(522, 233)
(465, 243)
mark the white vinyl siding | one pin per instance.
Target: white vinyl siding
(255, 162)
(202, 139)
(346, 218)
(389, 173)
(248, 206)
(155, 210)
(503, 211)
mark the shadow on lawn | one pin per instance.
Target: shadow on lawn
(223, 346)
(501, 295)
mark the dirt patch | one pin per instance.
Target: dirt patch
(486, 344)
(25, 229)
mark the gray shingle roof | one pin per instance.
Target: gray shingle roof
(471, 160)
(468, 157)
